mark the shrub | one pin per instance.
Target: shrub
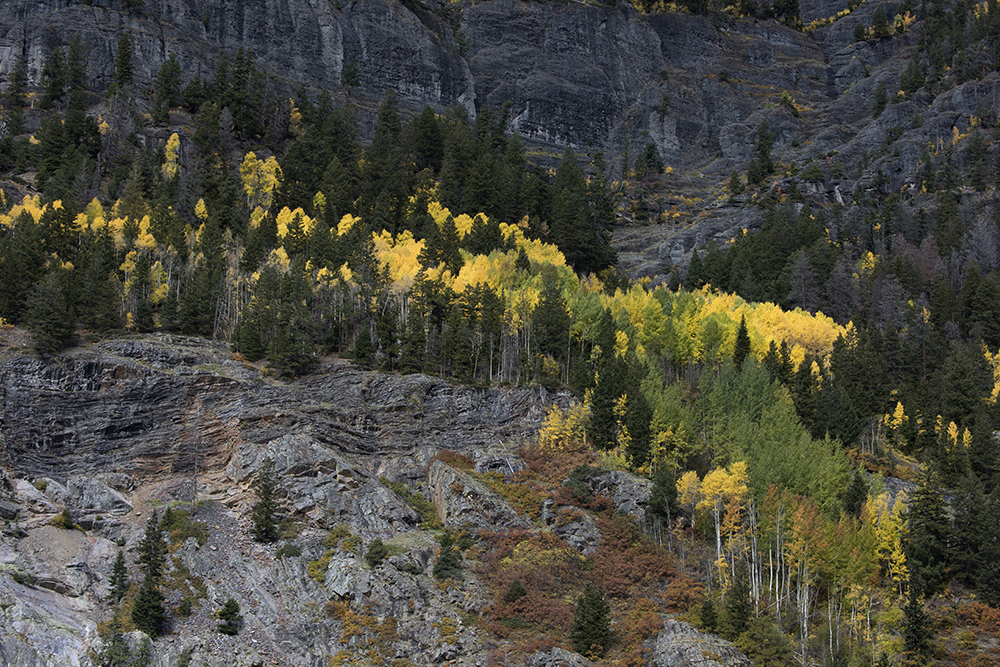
(420, 504)
(230, 618)
(179, 527)
(184, 608)
(288, 551)
(813, 173)
(63, 520)
(376, 553)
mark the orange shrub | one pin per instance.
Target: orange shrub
(683, 592)
(626, 557)
(979, 615)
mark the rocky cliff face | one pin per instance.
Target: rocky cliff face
(593, 76)
(113, 431)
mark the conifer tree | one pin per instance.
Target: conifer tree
(551, 319)
(50, 318)
(926, 541)
(591, 629)
(53, 78)
(738, 606)
(916, 636)
(124, 70)
(152, 550)
(880, 100)
(742, 349)
(265, 523)
(15, 97)
(148, 613)
(230, 618)
(515, 592)
(709, 617)
(118, 583)
(168, 88)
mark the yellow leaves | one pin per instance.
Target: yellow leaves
(689, 489)
(565, 431)
(401, 256)
(286, 218)
(159, 284)
(345, 224)
(894, 421)
(902, 22)
(621, 344)
(616, 458)
(720, 485)
(260, 178)
(200, 210)
(994, 361)
(887, 519)
(172, 150)
(294, 119)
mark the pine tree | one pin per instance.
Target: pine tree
(53, 78)
(742, 348)
(591, 629)
(51, 319)
(880, 100)
(16, 97)
(124, 70)
(856, 494)
(148, 613)
(230, 618)
(265, 523)
(916, 636)
(168, 88)
(738, 606)
(709, 617)
(118, 583)
(152, 550)
(926, 541)
(515, 592)
(551, 319)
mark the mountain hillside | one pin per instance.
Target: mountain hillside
(547, 333)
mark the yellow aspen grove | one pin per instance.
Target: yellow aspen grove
(718, 487)
(565, 431)
(887, 518)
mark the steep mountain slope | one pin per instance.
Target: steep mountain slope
(597, 77)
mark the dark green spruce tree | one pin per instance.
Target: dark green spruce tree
(591, 629)
(265, 521)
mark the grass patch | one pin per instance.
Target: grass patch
(179, 526)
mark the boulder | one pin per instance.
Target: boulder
(680, 644)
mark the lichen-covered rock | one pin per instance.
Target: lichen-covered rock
(466, 503)
(679, 644)
(557, 657)
(628, 492)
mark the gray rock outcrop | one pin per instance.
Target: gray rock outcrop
(679, 644)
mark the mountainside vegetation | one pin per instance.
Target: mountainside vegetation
(814, 400)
